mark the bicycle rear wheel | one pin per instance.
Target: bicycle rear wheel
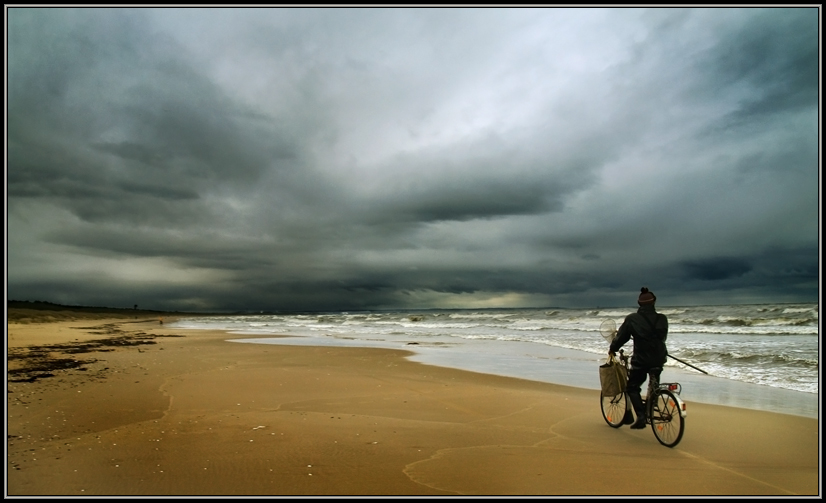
(666, 421)
(613, 409)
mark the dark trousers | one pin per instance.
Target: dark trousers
(636, 377)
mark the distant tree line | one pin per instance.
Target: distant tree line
(50, 306)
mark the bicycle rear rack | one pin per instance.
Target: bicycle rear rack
(671, 386)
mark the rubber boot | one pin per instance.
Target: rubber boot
(629, 416)
(639, 410)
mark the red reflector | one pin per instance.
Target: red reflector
(672, 387)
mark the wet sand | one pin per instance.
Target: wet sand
(131, 407)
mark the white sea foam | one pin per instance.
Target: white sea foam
(767, 345)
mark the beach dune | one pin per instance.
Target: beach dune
(133, 407)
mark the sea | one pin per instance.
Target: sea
(764, 357)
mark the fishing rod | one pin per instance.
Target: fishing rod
(688, 364)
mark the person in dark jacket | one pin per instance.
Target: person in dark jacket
(649, 330)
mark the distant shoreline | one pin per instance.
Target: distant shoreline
(23, 311)
(40, 305)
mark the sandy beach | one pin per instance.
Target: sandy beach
(128, 406)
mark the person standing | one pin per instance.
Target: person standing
(649, 329)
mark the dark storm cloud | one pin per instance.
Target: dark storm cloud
(249, 159)
(717, 268)
(772, 54)
(119, 108)
(481, 192)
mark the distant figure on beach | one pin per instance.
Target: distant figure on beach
(649, 330)
(160, 320)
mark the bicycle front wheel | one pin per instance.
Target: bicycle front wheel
(666, 421)
(613, 409)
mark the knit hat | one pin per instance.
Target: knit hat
(646, 297)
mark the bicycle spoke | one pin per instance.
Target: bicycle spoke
(666, 421)
(613, 409)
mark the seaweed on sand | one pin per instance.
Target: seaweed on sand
(28, 364)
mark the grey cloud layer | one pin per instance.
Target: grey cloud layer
(371, 158)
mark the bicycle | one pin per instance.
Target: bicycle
(665, 411)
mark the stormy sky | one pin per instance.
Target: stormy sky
(347, 159)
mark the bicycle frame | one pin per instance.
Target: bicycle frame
(654, 384)
(674, 388)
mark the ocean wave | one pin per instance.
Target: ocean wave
(530, 328)
(773, 345)
(672, 311)
(613, 313)
(770, 330)
(790, 310)
(481, 315)
(752, 359)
